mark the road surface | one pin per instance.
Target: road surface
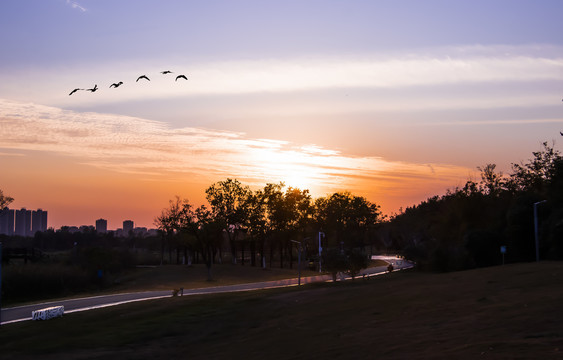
(22, 313)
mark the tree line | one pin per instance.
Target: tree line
(263, 226)
(467, 226)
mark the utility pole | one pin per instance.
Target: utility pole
(536, 229)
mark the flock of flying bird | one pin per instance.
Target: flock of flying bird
(118, 84)
(145, 77)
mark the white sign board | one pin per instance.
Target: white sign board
(48, 313)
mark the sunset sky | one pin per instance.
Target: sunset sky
(396, 101)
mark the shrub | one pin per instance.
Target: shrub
(40, 281)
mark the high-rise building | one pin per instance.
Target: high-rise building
(7, 221)
(102, 226)
(38, 221)
(128, 226)
(23, 222)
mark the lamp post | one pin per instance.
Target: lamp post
(0, 283)
(298, 262)
(536, 229)
(320, 251)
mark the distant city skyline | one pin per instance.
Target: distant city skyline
(22, 222)
(101, 226)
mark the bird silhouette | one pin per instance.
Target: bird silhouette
(561, 133)
(93, 89)
(143, 77)
(181, 77)
(166, 72)
(116, 84)
(73, 91)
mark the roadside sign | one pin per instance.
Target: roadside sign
(503, 251)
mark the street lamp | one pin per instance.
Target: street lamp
(536, 228)
(0, 283)
(320, 251)
(298, 261)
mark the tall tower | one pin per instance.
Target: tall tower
(102, 226)
(127, 227)
(23, 222)
(7, 221)
(38, 221)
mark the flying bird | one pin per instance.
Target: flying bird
(561, 133)
(181, 77)
(166, 72)
(143, 77)
(116, 84)
(93, 89)
(73, 91)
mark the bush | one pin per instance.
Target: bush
(334, 261)
(40, 281)
(351, 262)
(357, 261)
(106, 259)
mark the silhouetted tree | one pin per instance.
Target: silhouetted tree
(346, 218)
(492, 183)
(288, 215)
(256, 224)
(208, 230)
(5, 200)
(168, 222)
(537, 172)
(227, 200)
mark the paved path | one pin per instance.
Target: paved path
(22, 313)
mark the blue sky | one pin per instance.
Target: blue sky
(57, 32)
(387, 94)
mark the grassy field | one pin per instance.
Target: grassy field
(508, 312)
(166, 277)
(195, 276)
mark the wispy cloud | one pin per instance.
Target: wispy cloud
(76, 5)
(433, 72)
(10, 154)
(154, 151)
(310, 74)
(493, 122)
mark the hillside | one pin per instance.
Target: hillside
(511, 311)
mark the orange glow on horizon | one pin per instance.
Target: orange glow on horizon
(82, 169)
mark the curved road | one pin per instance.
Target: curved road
(22, 313)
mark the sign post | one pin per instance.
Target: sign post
(503, 251)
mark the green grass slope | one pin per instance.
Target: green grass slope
(509, 312)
